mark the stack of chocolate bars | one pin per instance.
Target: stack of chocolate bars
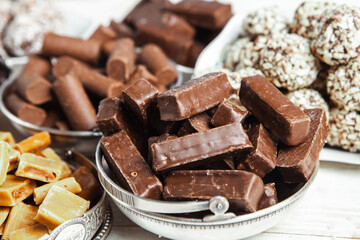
(198, 141)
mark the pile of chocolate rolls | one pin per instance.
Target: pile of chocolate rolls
(197, 141)
(64, 93)
(182, 30)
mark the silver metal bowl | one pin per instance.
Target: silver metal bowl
(153, 215)
(95, 223)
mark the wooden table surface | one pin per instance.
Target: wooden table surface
(329, 210)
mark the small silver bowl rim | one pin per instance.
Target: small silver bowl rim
(180, 220)
(14, 119)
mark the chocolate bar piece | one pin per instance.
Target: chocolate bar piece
(92, 81)
(142, 72)
(229, 112)
(158, 63)
(90, 187)
(197, 123)
(122, 29)
(25, 111)
(242, 189)
(261, 158)
(56, 45)
(194, 96)
(37, 65)
(140, 98)
(121, 60)
(103, 34)
(34, 88)
(296, 163)
(199, 148)
(227, 163)
(129, 166)
(157, 139)
(285, 120)
(269, 196)
(162, 127)
(75, 102)
(206, 14)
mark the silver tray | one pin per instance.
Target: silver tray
(153, 215)
(95, 223)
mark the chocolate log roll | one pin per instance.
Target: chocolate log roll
(55, 45)
(92, 81)
(285, 120)
(103, 34)
(206, 14)
(199, 148)
(122, 60)
(296, 163)
(242, 189)
(140, 99)
(34, 88)
(194, 96)
(37, 65)
(75, 103)
(229, 112)
(25, 111)
(158, 63)
(129, 166)
(108, 47)
(261, 158)
(197, 123)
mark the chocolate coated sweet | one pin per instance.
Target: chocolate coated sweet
(158, 63)
(206, 14)
(142, 72)
(34, 88)
(197, 123)
(129, 166)
(122, 60)
(269, 196)
(242, 189)
(162, 127)
(55, 45)
(103, 34)
(199, 148)
(75, 103)
(121, 29)
(37, 65)
(229, 112)
(25, 111)
(285, 120)
(296, 163)
(140, 99)
(157, 139)
(194, 96)
(261, 158)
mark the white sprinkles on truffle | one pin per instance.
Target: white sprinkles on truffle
(308, 98)
(344, 129)
(265, 21)
(343, 85)
(308, 18)
(339, 39)
(288, 62)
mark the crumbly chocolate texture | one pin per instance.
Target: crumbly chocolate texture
(265, 21)
(338, 41)
(287, 61)
(245, 53)
(344, 129)
(307, 99)
(343, 84)
(307, 18)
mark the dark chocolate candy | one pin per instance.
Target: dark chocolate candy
(269, 196)
(121, 60)
(90, 186)
(25, 111)
(157, 139)
(75, 103)
(162, 127)
(242, 189)
(158, 63)
(206, 14)
(34, 88)
(129, 166)
(199, 148)
(229, 112)
(197, 123)
(227, 163)
(296, 163)
(285, 120)
(261, 158)
(140, 99)
(194, 96)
